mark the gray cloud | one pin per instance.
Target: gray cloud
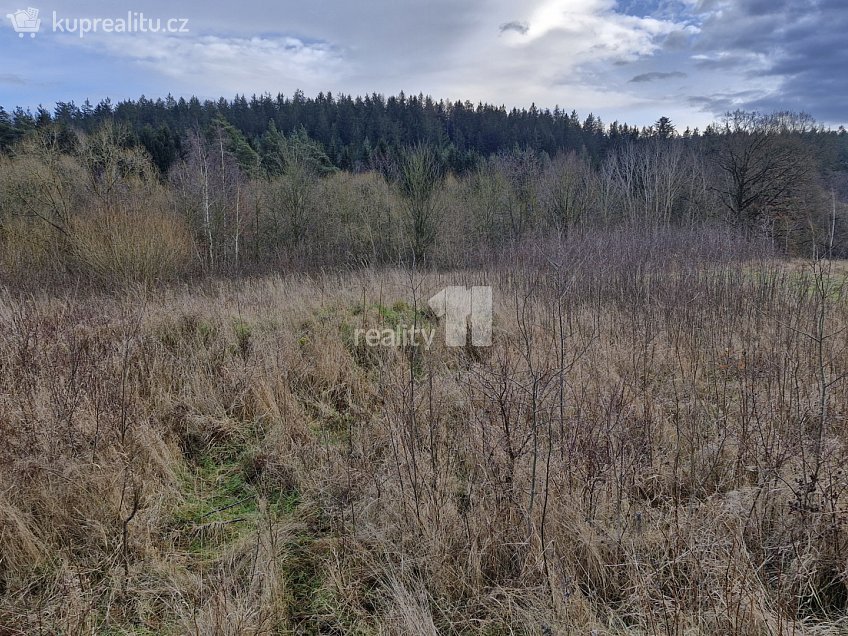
(652, 77)
(812, 66)
(678, 40)
(798, 46)
(518, 27)
(720, 103)
(15, 80)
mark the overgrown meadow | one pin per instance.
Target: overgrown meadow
(195, 442)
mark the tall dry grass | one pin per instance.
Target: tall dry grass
(651, 446)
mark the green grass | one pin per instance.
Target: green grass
(399, 313)
(244, 334)
(175, 333)
(221, 505)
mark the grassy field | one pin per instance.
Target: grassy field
(648, 449)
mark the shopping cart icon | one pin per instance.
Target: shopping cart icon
(25, 21)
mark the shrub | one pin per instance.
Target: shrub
(118, 247)
(27, 248)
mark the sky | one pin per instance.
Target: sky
(626, 60)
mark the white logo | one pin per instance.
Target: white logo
(458, 305)
(25, 21)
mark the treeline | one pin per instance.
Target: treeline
(93, 203)
(356, 132)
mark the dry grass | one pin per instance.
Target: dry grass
(654, 450)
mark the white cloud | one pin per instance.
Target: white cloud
(592, 28)
(565, 56)
(211, 64)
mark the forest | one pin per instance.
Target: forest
(267, 183)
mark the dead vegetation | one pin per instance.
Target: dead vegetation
(653, 445)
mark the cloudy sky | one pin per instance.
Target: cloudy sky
(630, 60)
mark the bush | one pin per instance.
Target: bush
(27, 248)
(119, 247)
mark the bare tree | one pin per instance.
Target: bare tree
(420, 175)
(565, 191)
(210, 190)
(42, 182)
(760, 160)
(650, 179)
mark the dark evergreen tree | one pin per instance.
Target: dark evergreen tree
(357, 133)
(162, 144)
(7, 131)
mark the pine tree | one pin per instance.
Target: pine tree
(7, 131)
